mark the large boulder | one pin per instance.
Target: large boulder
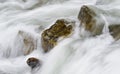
(50, 36)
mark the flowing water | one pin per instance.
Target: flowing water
(73, 55)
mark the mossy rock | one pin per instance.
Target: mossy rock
(50, 36)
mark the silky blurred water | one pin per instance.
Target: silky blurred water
(72, 55)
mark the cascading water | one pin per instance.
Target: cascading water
(21, 19)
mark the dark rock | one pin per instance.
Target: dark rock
(115, 31)
(61, 28)
(33, 62)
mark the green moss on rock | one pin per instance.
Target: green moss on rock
(61, 28)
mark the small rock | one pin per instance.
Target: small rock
(33, 62)
(87, 17)
(115, 31)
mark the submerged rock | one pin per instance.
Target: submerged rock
(115, 31)
(61, 28)
(90, 19)
(29, 43)
(33, 62)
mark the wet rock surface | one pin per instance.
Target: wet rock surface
(61, 28)
(115, 31)
(87, 17)
(33, 62)
(93, 19)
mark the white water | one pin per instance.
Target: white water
(73, 55)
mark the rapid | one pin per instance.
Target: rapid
(76, 54)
